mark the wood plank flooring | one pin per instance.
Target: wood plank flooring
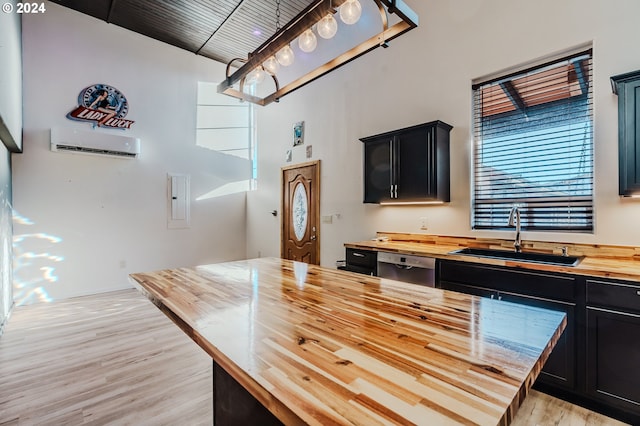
(114, 358)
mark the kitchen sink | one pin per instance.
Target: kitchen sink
(549, 259)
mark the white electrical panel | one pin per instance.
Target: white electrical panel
(179, 201)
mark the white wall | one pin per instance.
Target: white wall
(11, 116)
(426, 75)
(11, 74)
(86, 221)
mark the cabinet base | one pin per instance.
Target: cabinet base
(234, 405)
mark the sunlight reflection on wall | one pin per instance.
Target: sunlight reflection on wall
(33, 268)
(229, 188)
(6, 273)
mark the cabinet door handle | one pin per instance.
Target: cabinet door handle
(396, 190)
(391, 179)
(356, 254)
(638, 292)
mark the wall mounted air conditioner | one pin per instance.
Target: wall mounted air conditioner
(94, 143)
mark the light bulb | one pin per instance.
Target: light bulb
(307, 41)
(271, 65)
(256, 76)
(327, 27)
(250, 78)
(285, 56)
(260, 74)
(350, 11)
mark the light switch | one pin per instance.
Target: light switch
(179, 202)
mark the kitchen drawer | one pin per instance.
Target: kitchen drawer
(360, 269)
(357, 257)
(556, 287)
(624, 296)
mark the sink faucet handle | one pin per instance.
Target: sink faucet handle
(565, 251)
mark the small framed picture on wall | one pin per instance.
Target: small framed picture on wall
(298, 133)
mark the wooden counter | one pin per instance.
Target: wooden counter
(320, 346)
(618, 262)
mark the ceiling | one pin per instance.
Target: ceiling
(217, 29)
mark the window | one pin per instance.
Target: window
(533, 147)
(227, 126)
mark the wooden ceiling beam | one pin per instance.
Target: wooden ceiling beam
(513, 95)
(111, 7)
(583, 79)
(233, 12)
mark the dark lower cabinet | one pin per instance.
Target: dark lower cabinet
(362, 261)
(613, 355)
(613, 345)
(560, 368)
(596, 363)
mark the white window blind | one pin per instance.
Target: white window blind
(223, 124)
(228, 127)
(533, 147)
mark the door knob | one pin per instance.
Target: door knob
(313, 237)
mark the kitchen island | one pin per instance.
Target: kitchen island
(302, 344)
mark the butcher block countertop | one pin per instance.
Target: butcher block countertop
(617, 262)
(320, 346)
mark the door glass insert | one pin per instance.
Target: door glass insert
(300, 211)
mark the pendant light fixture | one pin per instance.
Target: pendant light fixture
(256, 76)
(350, 12)
(328, 26)
(271, 65)
(285, 56)
(307, 41)
(267, 59)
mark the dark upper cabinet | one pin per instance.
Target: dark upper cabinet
(627, 87)
(377, 170)
(408, 165)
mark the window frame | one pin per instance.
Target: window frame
(583, 204)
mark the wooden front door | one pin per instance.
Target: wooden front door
(301, 212)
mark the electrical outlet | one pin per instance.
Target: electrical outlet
(424, 223)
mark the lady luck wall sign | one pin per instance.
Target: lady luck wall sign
(103, 106)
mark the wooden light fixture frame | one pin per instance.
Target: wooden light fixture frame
(303, 21)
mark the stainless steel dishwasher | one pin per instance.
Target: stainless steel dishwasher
(412, 269)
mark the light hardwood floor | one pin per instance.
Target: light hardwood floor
(114, 358)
